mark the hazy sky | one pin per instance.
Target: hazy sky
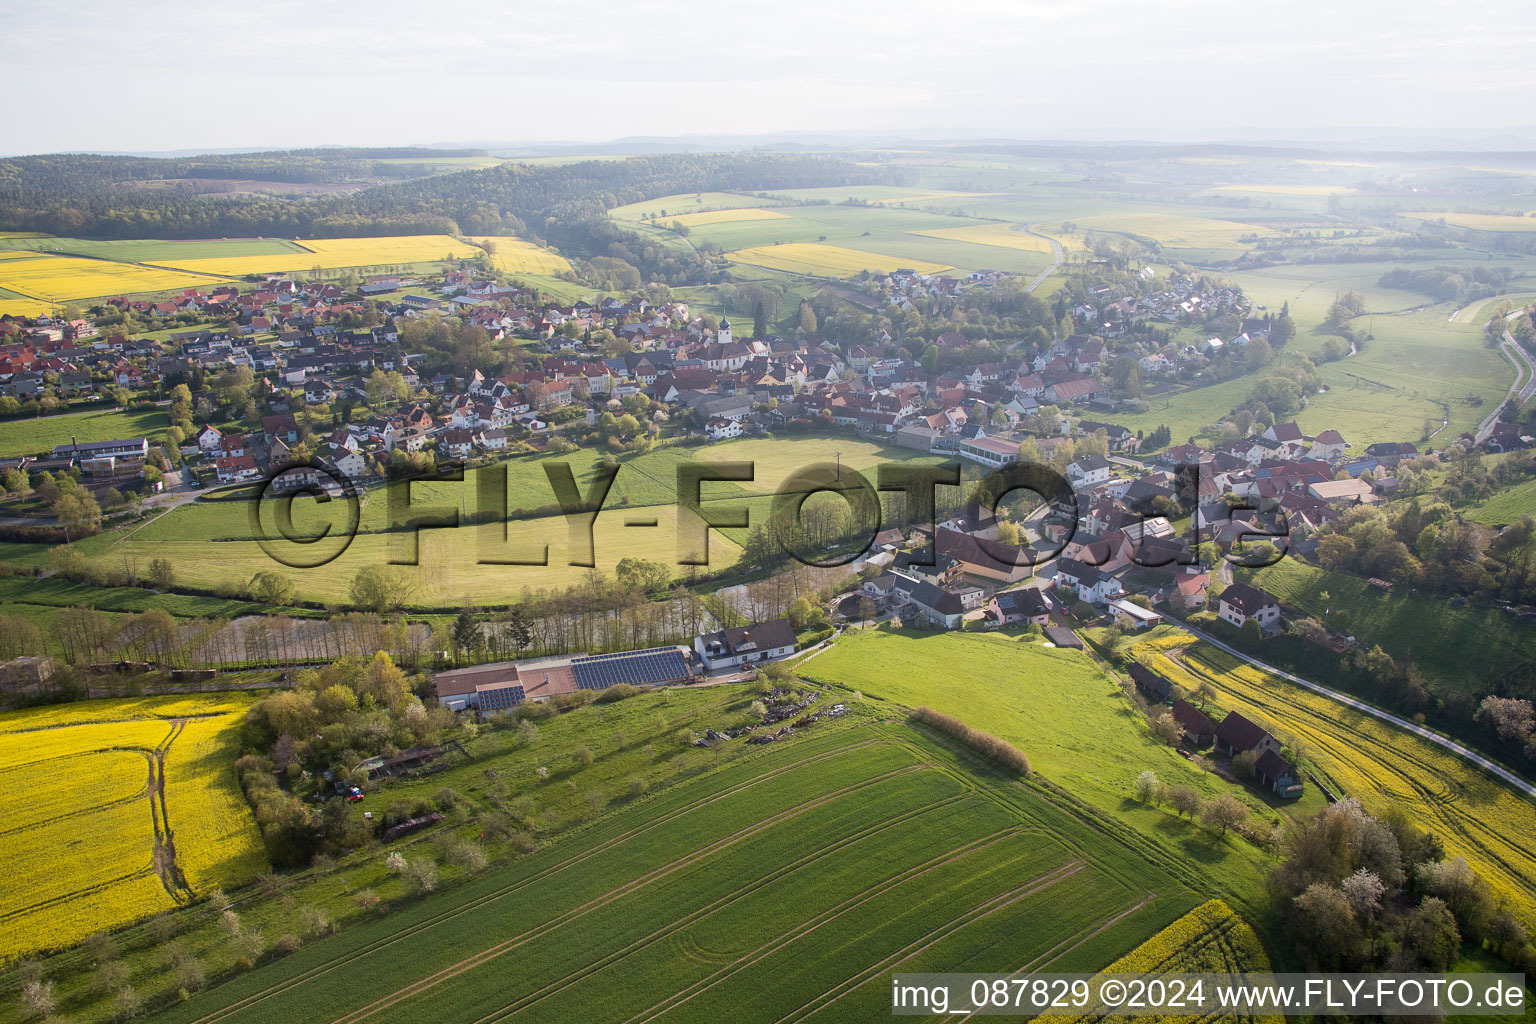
(174, 74)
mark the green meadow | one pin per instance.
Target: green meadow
(1081, 732)
(1462, 647)
(39, 435)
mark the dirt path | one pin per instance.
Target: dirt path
(165, 841)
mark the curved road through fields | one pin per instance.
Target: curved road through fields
(1514, 781)
(1521, 390)
(1056, 254)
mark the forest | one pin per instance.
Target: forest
(100, 197)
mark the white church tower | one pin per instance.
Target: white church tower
(724, 334)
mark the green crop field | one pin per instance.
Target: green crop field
(691, 202)
(39, 435)
(141, 250)
(870, 841)
(1078, 728)
(1462, 647)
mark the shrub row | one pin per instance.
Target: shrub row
(997, 750)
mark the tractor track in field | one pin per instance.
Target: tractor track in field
(165, 840)
(522, 883)
(75, 894)
(1501, 773)
(700, 913)
(804, 928)
(576, 913)
(116, 721)
(979, 912)
(77, 812)
(1393, 764)
(1074, 940)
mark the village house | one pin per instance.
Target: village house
(235, 468)
(928, 602)
(1026, 605)
(1241, 602)
(1088, 471)
(745, 645)
(1087, 581)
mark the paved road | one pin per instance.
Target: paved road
(1529, 388)
(1056, 254)
(1511, 779)
(1520, 391)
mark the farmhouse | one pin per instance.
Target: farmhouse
(1343, 492)
(1278, 774)
(653, 666)
(1236, 735)
(1195, 724)
(1241, 602)
(745, 645)
(1153, 686)
(459, 689)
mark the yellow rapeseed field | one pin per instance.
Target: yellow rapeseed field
(81, 814)
(826, 260)
(1381, 766)
(515, 255)
(216, 841)
(1002, 235)
(693, 220)
(23, 307)
(67, 278)
(337, 254)
(1479, 221)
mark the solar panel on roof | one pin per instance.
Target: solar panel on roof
(501, 698)
(638, 668)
